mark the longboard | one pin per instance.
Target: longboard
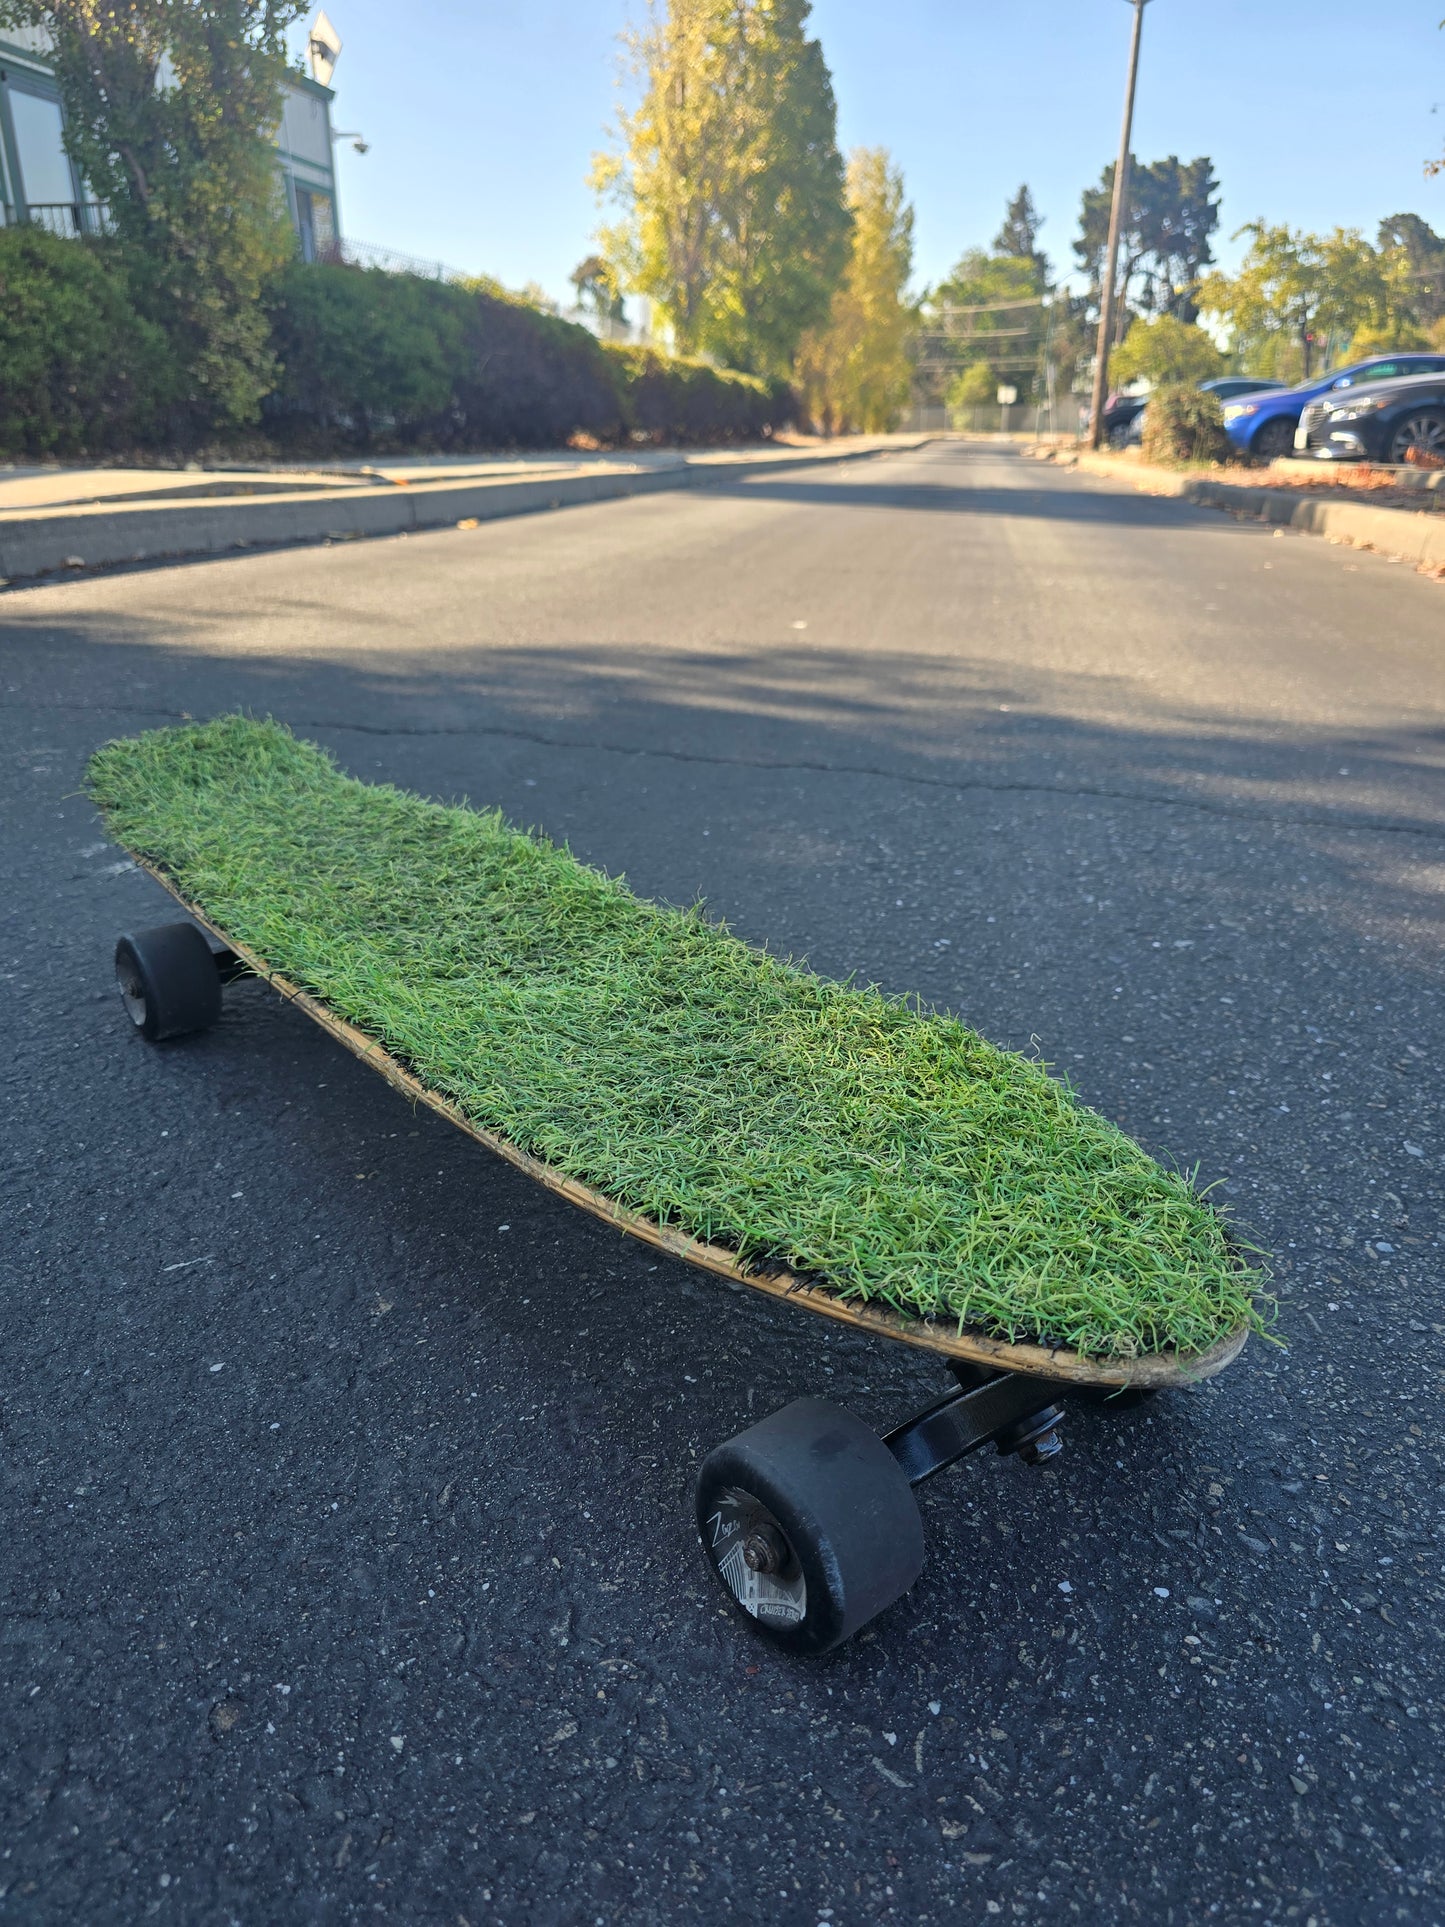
(1153, 1372)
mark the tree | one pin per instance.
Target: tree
(990, 308)
(1420, 253)
(855, 372)
(169, 105)
(596, 288)
(971, 388)
(732, 187)
(1166, 350)
(979, 280)
(1295, 293)
(1169, 216)
(1018, 238)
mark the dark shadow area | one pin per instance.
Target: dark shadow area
(1069, 502)
(933, 721)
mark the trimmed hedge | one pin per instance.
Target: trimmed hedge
(81, 371)
(667, 399)
(374, 360)
(371, 362)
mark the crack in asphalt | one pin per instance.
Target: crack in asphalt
(962, 786)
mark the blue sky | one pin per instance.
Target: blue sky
(482, 114)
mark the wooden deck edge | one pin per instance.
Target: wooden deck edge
(1153, 1371)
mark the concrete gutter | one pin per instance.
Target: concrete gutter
(44, 541)
(1405, 535)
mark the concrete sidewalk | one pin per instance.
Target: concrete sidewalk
(66, 519)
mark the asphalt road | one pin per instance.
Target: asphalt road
(347, 1564)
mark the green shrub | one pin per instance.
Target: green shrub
(367, 359)
(371, 360)
(667, 399)
(531, 379)
(1184, 426)
(81, 373)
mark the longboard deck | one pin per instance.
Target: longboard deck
(1154, 1371)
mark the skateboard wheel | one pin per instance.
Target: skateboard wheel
(168, 981)
(809, 1524)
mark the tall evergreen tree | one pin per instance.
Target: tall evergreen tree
(734, 219)
(855, 371)
(1018, 238)
(169, 108)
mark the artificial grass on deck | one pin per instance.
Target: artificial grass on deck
(897, 1156)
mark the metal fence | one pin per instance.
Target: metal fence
(63, 218)
(366, 254)
(1028, 419)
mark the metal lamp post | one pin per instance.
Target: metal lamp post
(1111, 252)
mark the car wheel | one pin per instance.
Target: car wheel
(1274, 440)
(1420, 435)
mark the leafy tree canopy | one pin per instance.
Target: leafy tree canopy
(730, 180)
(990, 308)
(596, 284)
(1296, 294)
(1169, 217)
(169, 105)
(855, 372)
(972, 387)
(980, 280)
(1423, 264)
(1166, 350)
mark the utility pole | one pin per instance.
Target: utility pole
(1111, 252)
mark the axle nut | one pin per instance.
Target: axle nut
(765, 1550)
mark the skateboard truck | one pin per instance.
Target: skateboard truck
(1004, 1409)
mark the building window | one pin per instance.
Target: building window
(47, 183)
(316, 224)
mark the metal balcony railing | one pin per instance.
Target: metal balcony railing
(64, 218)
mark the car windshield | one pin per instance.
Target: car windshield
(1392, 369)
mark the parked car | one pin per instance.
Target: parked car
(1263, 426)
(1384, 421)
(1223, 387)
(1227, 387)
(1119, 411)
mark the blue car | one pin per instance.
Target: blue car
(1263, 426)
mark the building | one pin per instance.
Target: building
(39, 182)
(307, 153)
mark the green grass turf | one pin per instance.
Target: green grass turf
(894, 1154)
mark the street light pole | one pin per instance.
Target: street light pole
(1111, 252)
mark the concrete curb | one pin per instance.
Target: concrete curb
(1406, 535)
(40, 543)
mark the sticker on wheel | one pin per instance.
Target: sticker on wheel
(754, 1559)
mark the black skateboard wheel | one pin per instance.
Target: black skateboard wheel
(168, 981)
(809, 1524)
